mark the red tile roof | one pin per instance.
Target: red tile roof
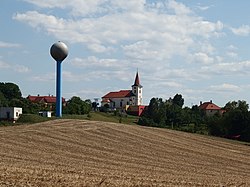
(45, 99)
(119, 94)
(209, 106)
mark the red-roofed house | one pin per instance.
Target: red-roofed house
(210, 108)
(47, 101)
(124, 98)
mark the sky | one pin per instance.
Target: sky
(199, 49)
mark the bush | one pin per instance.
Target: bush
(31, 118)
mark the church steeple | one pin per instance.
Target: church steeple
(137, 80)
(137, 90)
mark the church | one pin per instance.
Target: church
(128, 100)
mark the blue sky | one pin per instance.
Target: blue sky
(198, 48)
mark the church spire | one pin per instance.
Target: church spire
(137, 80)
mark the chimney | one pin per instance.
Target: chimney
(200, 102)
(211, 101)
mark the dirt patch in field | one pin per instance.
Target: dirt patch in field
(86, 153)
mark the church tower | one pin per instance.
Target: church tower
(137, 90)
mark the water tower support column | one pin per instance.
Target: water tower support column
(58, 89)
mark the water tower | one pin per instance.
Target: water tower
(59, 51)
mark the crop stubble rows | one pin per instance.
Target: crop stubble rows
(86, 153)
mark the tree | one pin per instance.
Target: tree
(77, 106)
(3, 100)
(86, 106)
(178, 100)
(234, 123)
(10, 91)
(155, 113)
(94, 105)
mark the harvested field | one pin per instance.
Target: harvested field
(87, 153)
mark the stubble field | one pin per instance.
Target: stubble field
(87, 153)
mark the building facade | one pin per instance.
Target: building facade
(10, 113)
(124, 98)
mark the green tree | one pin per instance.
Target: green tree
(3, 100)
(10, 91)
(77, 106)
(86, 106)
(178, 100)
(235, 122)
(155, 113)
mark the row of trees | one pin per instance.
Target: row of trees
(10, 95)
(234, 123)
(170, 113)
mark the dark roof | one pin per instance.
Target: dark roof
(119, 94)
(137, 80)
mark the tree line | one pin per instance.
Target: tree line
(233, 123)
(170, 113)
(11, 96)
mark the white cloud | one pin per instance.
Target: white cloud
(179, 8)
(232, 54)
(234, 68)
(163, 35)
(8, 45)
(232, 48)
(21, 69)
(4, 65)
(48, 77)
(243, 30)
(15, 67)
(122, 35)
(202, 58)
(88, 8)
(94, 62)
(225, 87)
(87, 94)
(203, 7)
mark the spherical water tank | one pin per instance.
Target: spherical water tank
(59, 51)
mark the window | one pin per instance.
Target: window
(17, 114)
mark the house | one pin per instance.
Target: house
(47, 114)
(128, 100)
(46, 101)
(10, 113)
(210, 109)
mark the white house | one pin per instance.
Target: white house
(10, 113)
(45, 114)
(121, 99)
